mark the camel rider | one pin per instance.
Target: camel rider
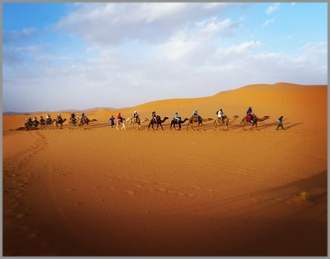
(59, 118)
(83, 116)
(249, 114)
(48, 118)
(73, 117)
(220, 114)
(120, 119)
(30, 120)
(136, 115)
(34, 119)
(177, 117)
(42, 120)
(195, 113)
(154, 116)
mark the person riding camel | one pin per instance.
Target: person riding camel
(48, 118)
(42, 120)
(154, 116)
(35, 122)
(59, 118)
(220, 114)
(177, 117)
(83, 116)
(249, 114)
(195, 114)
(73, 117)
(119, 117)
(135, 115)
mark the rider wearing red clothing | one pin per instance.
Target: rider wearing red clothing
(119, 117)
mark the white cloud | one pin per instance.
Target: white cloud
(243, 48)
(267, 22)
(149, 22)
(273, 8)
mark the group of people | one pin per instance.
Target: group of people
(59, 118)
(249, 115)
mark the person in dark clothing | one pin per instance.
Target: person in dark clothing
(249, 114)
(112, 121)
(280, 123)
(42, 120)
(73, 117)
(135, 115)
(154, 116)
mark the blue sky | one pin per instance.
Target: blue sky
(85, 55)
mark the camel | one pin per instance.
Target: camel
(174, 121)
(85, 121)
(255, 121)
(225, 121)
(72, 124)
(60, 122)
(159, 122)
(200, 121)
(132, 122)
(29, 125)
(49, 123)
(121, 122)
(42, 124)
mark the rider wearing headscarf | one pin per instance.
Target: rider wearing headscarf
(195, 113)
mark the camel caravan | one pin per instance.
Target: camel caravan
(195, 122)
(48, 123)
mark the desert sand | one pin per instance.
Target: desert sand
(99, 191)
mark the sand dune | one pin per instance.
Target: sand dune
(98, 191)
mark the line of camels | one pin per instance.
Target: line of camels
(49, 124)
(217, 122)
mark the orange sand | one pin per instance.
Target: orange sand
(107, 192)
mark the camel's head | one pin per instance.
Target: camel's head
(165, 118)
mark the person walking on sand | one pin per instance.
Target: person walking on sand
(112, 121)
(280, 123)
